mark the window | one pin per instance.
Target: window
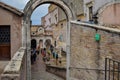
(33, 33)
(90, 13)
(62, 25)
(40, 29)
(4, 42)
(4, 35)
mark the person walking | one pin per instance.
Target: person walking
(34, 55)
(43, 52)
(56, 57)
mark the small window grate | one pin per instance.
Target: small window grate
(4, 35)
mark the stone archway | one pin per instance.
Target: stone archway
(28, 10)
(47, 42)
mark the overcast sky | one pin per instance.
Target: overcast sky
(37, 14)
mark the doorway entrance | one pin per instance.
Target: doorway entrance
(33, 44)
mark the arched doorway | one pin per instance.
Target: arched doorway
(33, 44)
(30, 7)
(47, 42)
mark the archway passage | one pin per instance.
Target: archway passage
(47, 42)
(38, 71)
(30, 7)
(33, 44)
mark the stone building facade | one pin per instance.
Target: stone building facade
(56, 20)
(89, 10)
(12, 18)
(10, 32)
(40, 34)
(87, 60)
(108, 15)
(106, 12)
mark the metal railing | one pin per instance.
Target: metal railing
(112, 69)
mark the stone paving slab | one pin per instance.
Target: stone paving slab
(39, 71)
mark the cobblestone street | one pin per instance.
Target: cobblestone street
(39, 73)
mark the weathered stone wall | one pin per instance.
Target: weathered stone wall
(16, 69)
(61, 15)
(59, 71)
(76, 5)
(88, 55)
(16, 34)
(109, 15)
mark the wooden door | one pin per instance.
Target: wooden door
(5, 43)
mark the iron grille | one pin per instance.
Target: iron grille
(112, 69)
(4, 35)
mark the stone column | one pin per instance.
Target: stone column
(28, 45)
(68, 51)
(26, 42)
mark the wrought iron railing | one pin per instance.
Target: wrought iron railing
(112, 69)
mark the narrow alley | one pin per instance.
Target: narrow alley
(39, 72)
